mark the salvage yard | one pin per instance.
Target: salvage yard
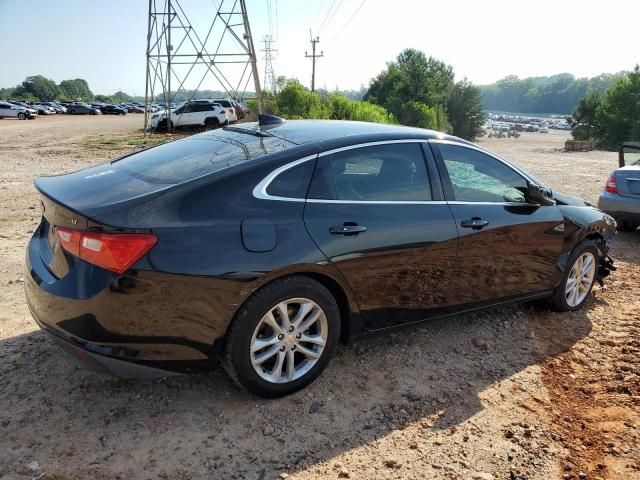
(512, 393)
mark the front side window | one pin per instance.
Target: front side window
(478, 177)
(390, 172)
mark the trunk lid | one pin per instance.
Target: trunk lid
(628, 181)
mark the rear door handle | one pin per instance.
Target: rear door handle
(347, 229)
(475, 222)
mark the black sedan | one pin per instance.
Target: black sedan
(82, 109)
(265, 245)
(112, 110)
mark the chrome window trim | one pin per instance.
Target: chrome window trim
(372, 144)
(380, 202)
(260, 190)
(486, 152)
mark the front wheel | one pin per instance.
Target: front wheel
(578, 278)
(283, 337)
(22, 115)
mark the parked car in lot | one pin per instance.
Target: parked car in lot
(112, 110)
(229, 107)
(56, 106)
(621, 195)
(43, 109)
(82, 109)
(10, 110)
(32, 111)
(267, 244)
(135, 109)
(203, 113)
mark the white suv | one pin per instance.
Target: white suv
(200, 112)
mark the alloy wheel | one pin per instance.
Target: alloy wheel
(289, 340)
(580, 279)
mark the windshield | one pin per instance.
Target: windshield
(182, 160)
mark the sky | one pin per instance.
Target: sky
(104, 42)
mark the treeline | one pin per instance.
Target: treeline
(38, 88)
(295, 102)
(555, 94)
(612, 117)
(415, 90)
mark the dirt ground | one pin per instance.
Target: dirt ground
(513, 393)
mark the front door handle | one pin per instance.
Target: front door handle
(475, 222)
(347, 228)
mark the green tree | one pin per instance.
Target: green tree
(583, 119)
(415, 88)
(76, 90)
(618, 115)
(295, 102)
(465, 110)
(40, 87)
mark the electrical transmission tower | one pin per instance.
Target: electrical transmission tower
(313, 57)
(181, 61)
(269, 55)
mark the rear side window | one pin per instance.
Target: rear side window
(392, 172)
(190, 158)
(293, 182)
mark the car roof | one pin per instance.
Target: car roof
(310, 131)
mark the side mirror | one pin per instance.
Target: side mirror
(539, 195)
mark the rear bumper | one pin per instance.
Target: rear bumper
(621, 208)
(129, 326)
(82, 354)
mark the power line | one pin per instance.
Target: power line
(327, 15)
(348, 21)
(332, 15)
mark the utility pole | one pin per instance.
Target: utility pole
(313, 57)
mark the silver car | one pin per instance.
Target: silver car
(621, 195)
(9, 110)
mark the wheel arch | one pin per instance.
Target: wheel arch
(347, 305)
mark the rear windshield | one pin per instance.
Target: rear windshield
(190, 158)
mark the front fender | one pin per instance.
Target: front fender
(582, 223)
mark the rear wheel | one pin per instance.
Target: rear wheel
(22, 115)
(211, 123)
(72, 112)
(578, 278)
(283, 337)
(627, 226)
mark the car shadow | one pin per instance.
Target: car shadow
(68, 419)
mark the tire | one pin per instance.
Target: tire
(627, 226)
(562, 300)
(249, 327)
(22, 115)
(211, 124)
(72, 112)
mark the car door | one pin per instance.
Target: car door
(377, 212)
(5, 110)
(184, 115)
(508, 246)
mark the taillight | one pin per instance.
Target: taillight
(233, 111)
(116, 252)
(611, 186)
